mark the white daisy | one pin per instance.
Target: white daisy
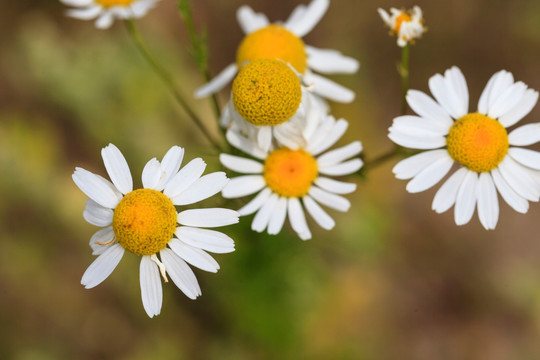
(289, 178)
(406, 25)
(144, 222)
(269, 104)
(105, 11)
(490, 159)
(283, 41)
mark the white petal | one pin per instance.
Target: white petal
(97, 188)
(502, 81)
(455, 78)
(84, 14)
(103, 266)
(318, 214)
(78, 3)
(96, 214)
(180, 273)
(264, 137)
(525, 135)
(211, 217)
(311, 17)
(218, 82)
(245, 145)
(209, 240)
(151, 175)
(203, 188)
(529, 158)
(289, 135)
(518, 179)
(507, 100)
(429, 109)
(298, 219)
(345, 168)
(171, 164)
(335, 186)
(249, 20)
(333, 201)
(410, 167)
(243, 185)
(517, 202)
(447, 194)
(431, 175)
(256, 203)
(488, 205)
(329, 61)
(185, 177)
(117, 168)
(105, 20)
(418, 126)
(327, 139)
(466, 199)
(105, 235)
(328, 88)
(421, 142)
(519, 111)
(151, 291)
(277, 219)
(338, 155)
(240, 164)
(446, 95)
(261, 219)
(194, 256)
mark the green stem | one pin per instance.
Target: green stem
(167, 80)
(404, 73)
(370, 164)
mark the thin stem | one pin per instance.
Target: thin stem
(370, 164)
(404, 73)
(167, 80)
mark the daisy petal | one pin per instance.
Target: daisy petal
(447, 194)
(507, 100)
(430, 175)
(525, 135)
(218, 82)
(117, 168)
(151, 175)
(96, 214)
(430, 110)
(529, 158)
(519, 180)
(185, 177)
(180, 273)
(100, 238)
(338, 155)
(345, 168)
(499, 82)
(84, 14)
(318, 214)
(243, 185)
(256, 203)
(194, 256)
(327, 61)
(103, 266)
(171, 164)
(277, 219)
(414, 141)
(488, 205)
(261, 219)
(335, 186)
(333, 201)
(298, 219)
(105, 20)
(521, 109)
(97, 188)
(202, 188)
(517, 202)
(209, 240)
(416, 125)
(327, 139)
(466, 199)
(210, 217)
(446, 94)
(410, 167)
(249, 20)
(312, 14)
(240, 164)
(328, 88)
(151, 291)
(244, 145)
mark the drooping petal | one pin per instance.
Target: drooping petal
(278, 216)
(318, 214)
(298, 219)
(103, 266)
(262, 217)
(180, 273)
(101, 240)
(96, 214)
(466, 199)
(446, 196)
(151, 290)
(194, 256)
(488, 205)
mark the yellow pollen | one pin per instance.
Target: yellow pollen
(144, 221)
(273, 42)
(290, 173)
(266, 92)
(399, 20)
(477, 142)
(109, 3)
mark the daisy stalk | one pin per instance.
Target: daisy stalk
(167, 80)
(403, 70)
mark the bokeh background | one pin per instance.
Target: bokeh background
(393, 280)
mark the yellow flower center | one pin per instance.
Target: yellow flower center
(478, 142)
(273, 42)
(266, 92)
(400, 19)
(109, 3)
(290, 173)
(144, 221)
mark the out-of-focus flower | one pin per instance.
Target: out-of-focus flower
(105, 11)
(406, 25)
(283, 41)
(288, 179)
(490, 159)
(144, 222)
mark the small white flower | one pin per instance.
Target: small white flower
(406, 25)
(105, 11)
(490, 158)
(288, 179)
(144, 222)
(283, 41)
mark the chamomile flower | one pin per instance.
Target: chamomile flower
(283, 41)
(145, 222)
(407, 25)
(289, 180)
(269, 104)
(105, 11)
(490, 159)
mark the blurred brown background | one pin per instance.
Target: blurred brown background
(394, 280)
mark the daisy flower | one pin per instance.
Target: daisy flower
(289, 180)
(105, 11)
(406, 25)
(145, 222)
(268, 102)
(283, 41)
(490, 159)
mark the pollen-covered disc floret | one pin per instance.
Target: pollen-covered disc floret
(290, 173)
(266, 92)
(273, 42)
(478, 142)
(144, 221)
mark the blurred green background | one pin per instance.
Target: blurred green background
(393, 280)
